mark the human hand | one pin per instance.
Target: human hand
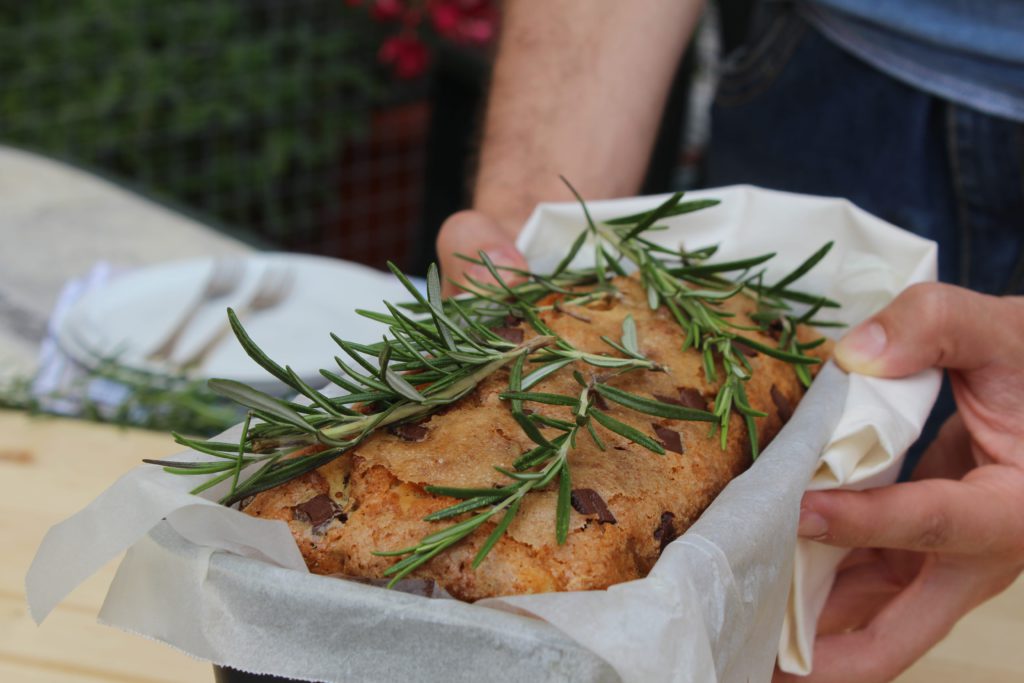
(468, 233)
(929, 550)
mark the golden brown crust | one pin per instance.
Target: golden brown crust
(378, 492)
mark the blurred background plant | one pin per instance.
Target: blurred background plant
(208, 103)
(142, 400)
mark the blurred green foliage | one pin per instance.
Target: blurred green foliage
(237, 107)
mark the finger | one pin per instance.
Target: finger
(780, 676)
(859, 556)
(907, 627)
(949, 455)
(857, 595)
(468, 233)
(934, 325)
(903, 565)
(929, 515)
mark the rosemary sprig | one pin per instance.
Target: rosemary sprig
(147, 400)
(691, 293)
(437, 351)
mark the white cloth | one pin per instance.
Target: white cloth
(60, 384)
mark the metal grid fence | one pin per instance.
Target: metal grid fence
(256, 113)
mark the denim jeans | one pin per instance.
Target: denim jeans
(794, 112)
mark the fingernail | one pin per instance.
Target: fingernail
(503, 256)
(861, 348)
(812, 525)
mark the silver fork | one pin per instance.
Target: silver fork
(224, 277)
(273, 288)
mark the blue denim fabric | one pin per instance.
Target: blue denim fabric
(794, 112)
(965, 51)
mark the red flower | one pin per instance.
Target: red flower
(477, 30)
(406, 54)
(459, 21)
(387, 10)
(464, 21)
(446, 18)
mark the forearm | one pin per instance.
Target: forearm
(578, 90)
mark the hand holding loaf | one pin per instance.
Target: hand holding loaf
(929, 550)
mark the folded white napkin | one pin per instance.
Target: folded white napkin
(866, 450)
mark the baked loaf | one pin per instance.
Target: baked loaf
(628, 502)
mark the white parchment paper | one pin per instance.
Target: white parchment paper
(234, 590)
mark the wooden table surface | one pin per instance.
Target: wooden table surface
(52, 467)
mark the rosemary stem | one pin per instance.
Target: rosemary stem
(404, 411)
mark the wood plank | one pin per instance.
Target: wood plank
(984, 647)
(933, 669)
(71, 646)
(51, 468)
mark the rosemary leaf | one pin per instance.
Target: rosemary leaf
(537, 454)
(254, 351)
(496, 535)
(629, 337)
(434, 297)
(453, 492)
(538, 397)
(402, 386)
(548, 421)
(530, 429)
(562, 506)
(706, 269)
(652, 216)
(542, 372)
(803, 268)
(459, 508)
(319, 399)
(679, 209)
(650, 406)
(241, 452)
(570, 255)
(623, 429)
(788, 356)
(257, 400)
(595, 436)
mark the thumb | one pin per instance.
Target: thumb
(933, 325)
(468, 233)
